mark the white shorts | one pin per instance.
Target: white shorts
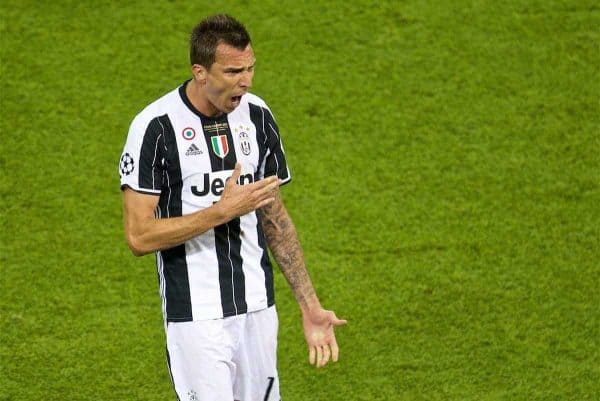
(228, 359)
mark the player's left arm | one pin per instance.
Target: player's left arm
(284, 244)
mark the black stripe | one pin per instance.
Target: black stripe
(175, 271)
(228, 243)
(257, 118)
(275, 163)
(150, 161)
(231, 276)
(257, 115)
(267, 133)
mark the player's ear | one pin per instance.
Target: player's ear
(199, 72)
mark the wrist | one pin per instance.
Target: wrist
(221, 214)
(310, 305)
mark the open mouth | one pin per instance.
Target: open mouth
(236, 100)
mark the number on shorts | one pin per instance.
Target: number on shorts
(269, 388)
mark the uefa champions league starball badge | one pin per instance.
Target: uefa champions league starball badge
(126, 165)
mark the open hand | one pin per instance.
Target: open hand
(320, 338)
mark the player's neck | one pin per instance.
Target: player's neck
(196, 95)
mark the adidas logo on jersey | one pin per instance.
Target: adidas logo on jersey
(193, 150)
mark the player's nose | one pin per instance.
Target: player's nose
(246, 79)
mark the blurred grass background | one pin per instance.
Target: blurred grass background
(446, 190)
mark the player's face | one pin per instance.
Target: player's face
(229, 78)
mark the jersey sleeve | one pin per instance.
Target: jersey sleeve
(140, 166)
(274, 162)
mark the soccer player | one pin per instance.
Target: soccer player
(200, 176)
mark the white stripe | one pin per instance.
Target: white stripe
(168, 179)
(287, 169)
(231, 263)
(262, 111)
(169, 197)
(154, 159)
(203, 275)
(275, 154)
(282, 151)
(274, 131)
(162, 289)
(155, 146)
(254, 275)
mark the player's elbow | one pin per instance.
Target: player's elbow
(137, 251)
(136, 245)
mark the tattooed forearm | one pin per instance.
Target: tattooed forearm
(284, 244)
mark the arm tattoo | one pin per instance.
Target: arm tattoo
(284, 244)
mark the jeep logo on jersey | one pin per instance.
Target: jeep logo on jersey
(245, 143)
(219, 145)
(214, 183)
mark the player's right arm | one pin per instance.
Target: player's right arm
(145, 233)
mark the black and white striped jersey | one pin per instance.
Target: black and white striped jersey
(174, 152)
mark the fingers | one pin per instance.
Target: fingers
(265, 192)
(326, 355)
(320, 355)
(246, 198)
(268, 184)
(264, 202)
(335, 350)
(323, 347)
(265, 186)
(337, 322)
(236, 174)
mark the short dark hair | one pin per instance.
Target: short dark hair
(212, 31)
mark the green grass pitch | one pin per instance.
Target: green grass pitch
(446, 191)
